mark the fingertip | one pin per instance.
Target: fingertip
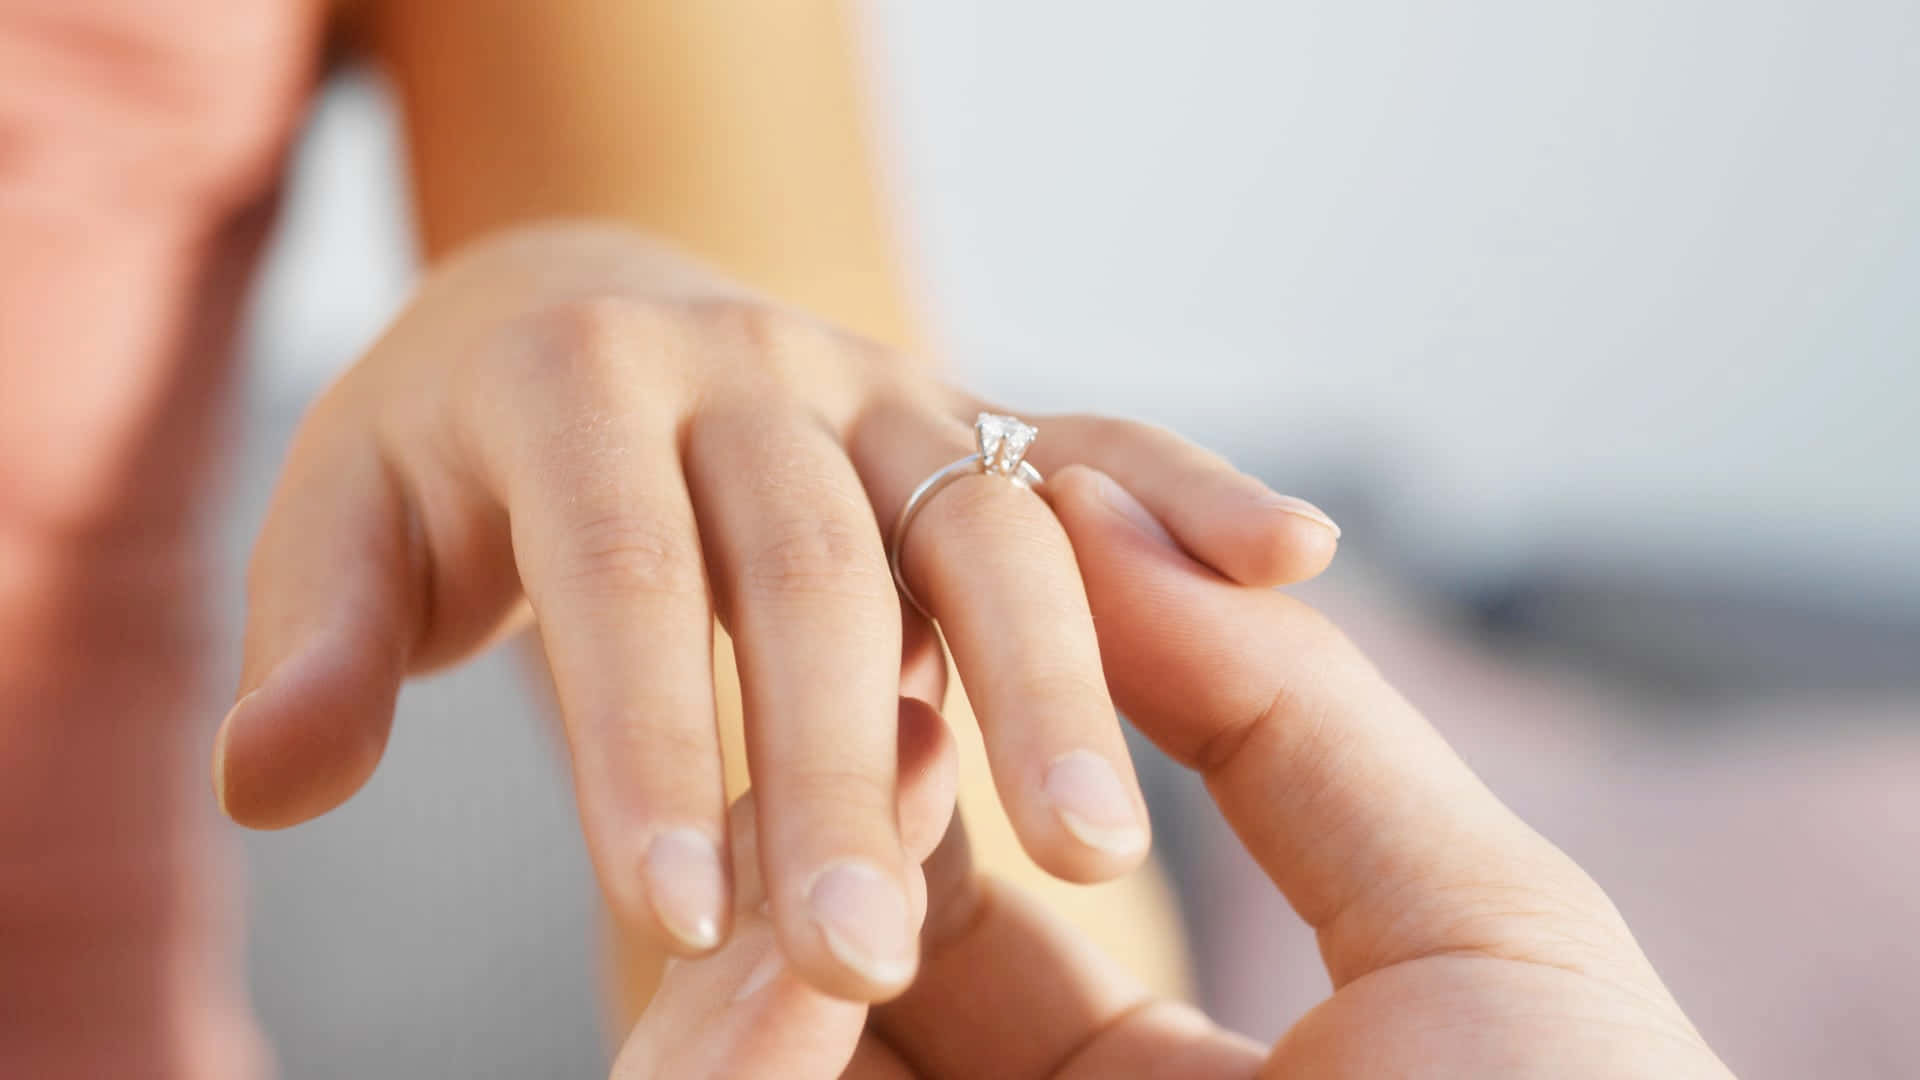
(219, 765)
(861, 940)
(687, 889)
(1095, 825)
(1283, 540)
(1077, 849)
(841, 899)
(1251, 534)
(1228, 521)
(305, 740)
(1096, 807)
(1075, 860)
(845, 907)
(1303, 510)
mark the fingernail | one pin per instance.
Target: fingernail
(686, 886)
(220, 753)
(764, 972)
(1122, 502)
(1303, 509)
(1093, 804)
(863, 916)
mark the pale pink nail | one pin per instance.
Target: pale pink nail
(1301, 508)
(863, 916)
(1092, 803)
(686, 885)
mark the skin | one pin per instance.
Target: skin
(675, 118)
(1458, 941)
(742, 140)
(139, 156)
(626, 447)
(134, 195)
(136, 169)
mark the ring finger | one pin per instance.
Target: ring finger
(988, 560)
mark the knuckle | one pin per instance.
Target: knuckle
(1053, 692)
(766, 329)
(598, 340)
(636, 742)
(745, 320)
(867, 362)
(842, 791)
(624, 554)
(791, 346)
(1295, 710)
(1553, 919)
(819, 555)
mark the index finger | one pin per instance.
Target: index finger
(1379, 835)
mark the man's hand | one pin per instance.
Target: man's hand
(1459, 942)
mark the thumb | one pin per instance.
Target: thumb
(1378, 834)
(334, 602)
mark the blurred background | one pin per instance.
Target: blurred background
(1596, 326)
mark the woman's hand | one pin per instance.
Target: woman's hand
(572, 423)
(741, 1011)
(1459, 942)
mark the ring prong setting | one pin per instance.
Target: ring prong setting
(1002, 442)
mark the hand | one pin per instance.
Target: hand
(1459, 942)
(572, 424)
(741, 1011)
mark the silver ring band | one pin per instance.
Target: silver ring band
(994, 458)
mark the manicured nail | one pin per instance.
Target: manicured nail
(863, 916)
(1123, 503)
(686, 886)
(1303, 509)
(764, 972)
(1093, 804)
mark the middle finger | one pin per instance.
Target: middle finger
(800, 581)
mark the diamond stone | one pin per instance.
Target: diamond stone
(1003, 442)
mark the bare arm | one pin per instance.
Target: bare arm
(734, 131)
